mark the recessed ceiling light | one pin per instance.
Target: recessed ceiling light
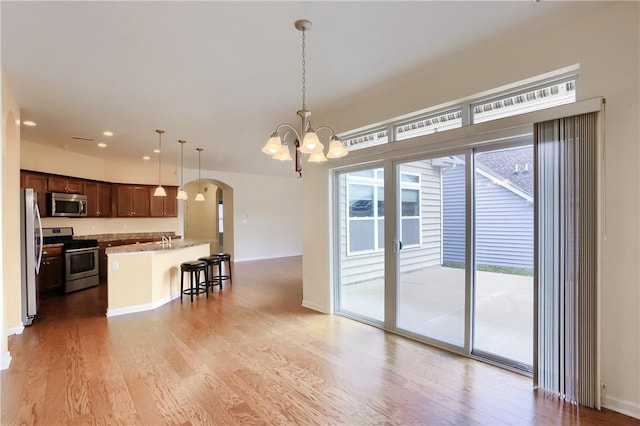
(107, 133)
(29, 123)
(102, 145)
(146, 157)
(157, 151)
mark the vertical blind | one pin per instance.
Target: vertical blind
(566, 261)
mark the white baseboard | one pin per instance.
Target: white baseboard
(6, 360)
(15, 330)
(141, 308)
(315, 307)
(621, 406)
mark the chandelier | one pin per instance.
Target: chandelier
(277, 146)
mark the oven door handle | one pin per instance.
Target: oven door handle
(81, 249)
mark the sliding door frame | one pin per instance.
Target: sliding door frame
(475, 136)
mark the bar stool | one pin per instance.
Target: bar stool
(193, 268)
(224, 257)
(210, 277)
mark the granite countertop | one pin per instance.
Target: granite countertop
(155, 246)
(125, 236)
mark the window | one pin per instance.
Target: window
(364, 140)
(365, 193)
(543, 97)
(426, 125)
(477, 109)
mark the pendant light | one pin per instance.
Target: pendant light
(199, 195)
(159, 192)
(311, 145)
(182, 194)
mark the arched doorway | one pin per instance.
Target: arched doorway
(211, 219)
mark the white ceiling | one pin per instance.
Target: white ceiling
(223, 75)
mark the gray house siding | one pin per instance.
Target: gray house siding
(504, 224)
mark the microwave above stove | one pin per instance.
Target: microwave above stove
(66, 205)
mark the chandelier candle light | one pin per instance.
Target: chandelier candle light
(159, 192)
(311, 145)
(182, 194)
(199, 195)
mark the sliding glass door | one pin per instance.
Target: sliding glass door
(503, 211)
(457, 268)
(360, 236)
(431, 229)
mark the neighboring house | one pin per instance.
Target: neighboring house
(504, 210)
(433, 215)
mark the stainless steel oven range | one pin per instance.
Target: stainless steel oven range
(80, 258)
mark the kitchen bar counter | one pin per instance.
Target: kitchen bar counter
(146, 276)
(154, 246)
(126, 236)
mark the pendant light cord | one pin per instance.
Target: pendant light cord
(304, 72)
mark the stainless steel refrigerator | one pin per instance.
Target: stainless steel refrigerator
(31, 240)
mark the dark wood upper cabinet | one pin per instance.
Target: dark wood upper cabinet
(64, 184)
(39, 183)
(98, 199)
(132, 201)
(164, 206)
(104, 199)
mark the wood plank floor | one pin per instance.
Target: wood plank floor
(250, 354)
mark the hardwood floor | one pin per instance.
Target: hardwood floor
(250, 354)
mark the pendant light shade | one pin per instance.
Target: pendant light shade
(159, 192)
(336, 149)
(182, 194)
(310, 142)
(283, 154)
(199, 195)
(273, 145)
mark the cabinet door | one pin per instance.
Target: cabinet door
(124, 200)
(170, 202)
(156, 204)
(140, 201)
(39, 184)
(164, 206)
(57, 184)
(91, 191)
(51, 276)
(75, 186)
(63, 184)
(104, 200)
(98, 199)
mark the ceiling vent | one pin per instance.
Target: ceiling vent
(80, 138)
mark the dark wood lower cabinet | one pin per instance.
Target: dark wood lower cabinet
(51, 277)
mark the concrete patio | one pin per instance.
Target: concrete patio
(431, 303)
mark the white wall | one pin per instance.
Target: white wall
(10, 274)
(266, 213)
(605, 44)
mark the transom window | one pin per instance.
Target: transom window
(518, 101)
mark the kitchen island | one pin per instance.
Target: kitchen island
(146, 276)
